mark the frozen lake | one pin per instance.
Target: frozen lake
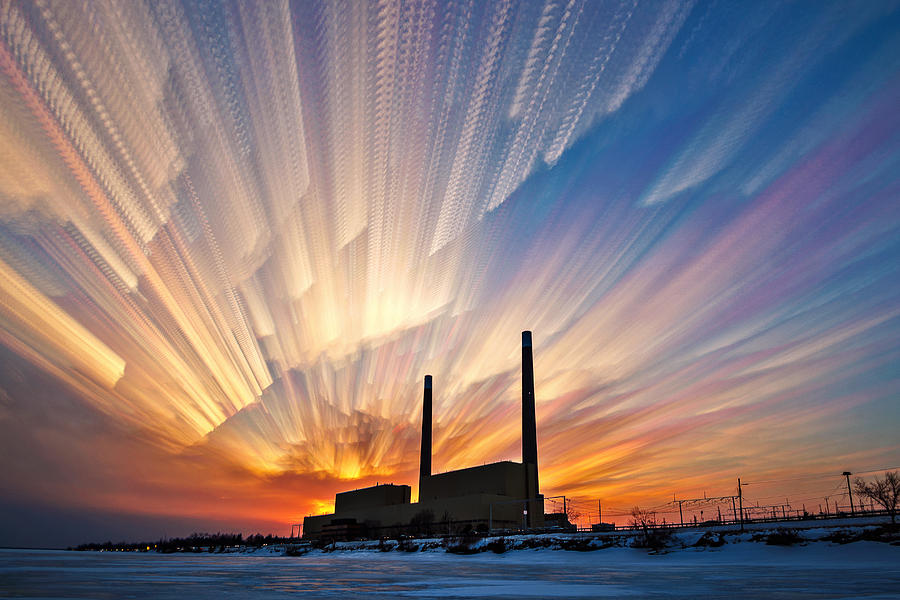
(819, 570)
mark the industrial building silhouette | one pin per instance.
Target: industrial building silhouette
(501, 495)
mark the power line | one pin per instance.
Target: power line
(807, 478)
(586, 506)
(876, 470)
(818, 493)
(819, 476)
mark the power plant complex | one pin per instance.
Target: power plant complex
(501, 495)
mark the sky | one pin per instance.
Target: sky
(235, 236)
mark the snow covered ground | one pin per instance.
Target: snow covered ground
(740, 568)
(676, 540)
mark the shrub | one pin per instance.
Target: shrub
(784, 537)
(462, 545)
(295, 551)
(652, 539)
(886, 534)
(462, 548)
(578, 545)
(710, 540)
(321, 544)
(842, 537)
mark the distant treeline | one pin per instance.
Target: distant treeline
(196, 542)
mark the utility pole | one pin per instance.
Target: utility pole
(680, 514)
(599, 512)
(741, 502)
(847, 474)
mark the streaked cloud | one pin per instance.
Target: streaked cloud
(235, 236)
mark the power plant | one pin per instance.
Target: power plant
(501, 495)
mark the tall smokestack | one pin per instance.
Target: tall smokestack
(425, 462)
(529, 427)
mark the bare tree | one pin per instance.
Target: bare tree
(572, 514)
(652, 535)
(885, 492)
(643, 519)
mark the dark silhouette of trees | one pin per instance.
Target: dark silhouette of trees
(446, 521)
(196, 542)
(885, 492)
(422, 522)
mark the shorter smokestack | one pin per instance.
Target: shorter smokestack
(425, 462)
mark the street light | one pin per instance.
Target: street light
(847, 474)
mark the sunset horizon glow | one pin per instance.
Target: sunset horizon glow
(235, 236)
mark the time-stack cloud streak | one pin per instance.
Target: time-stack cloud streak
(234, 237)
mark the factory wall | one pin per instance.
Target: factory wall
(386, 494)
(469, 512)
(503, 478)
